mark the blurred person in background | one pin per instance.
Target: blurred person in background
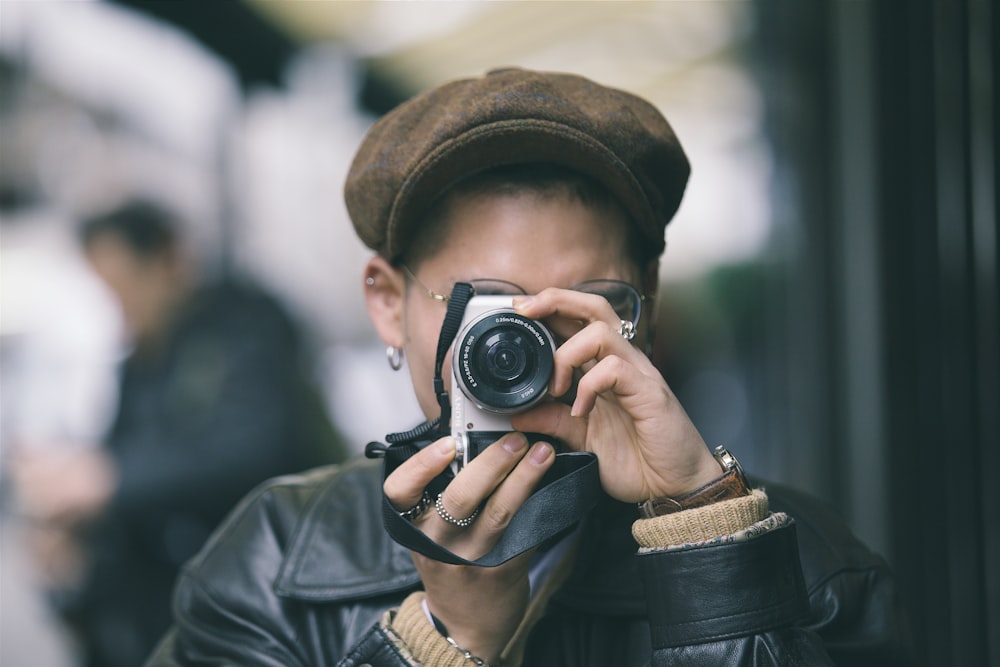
(214, 397)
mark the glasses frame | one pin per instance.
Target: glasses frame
(518, 290)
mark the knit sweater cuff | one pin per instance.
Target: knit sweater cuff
(423, 640)
(701, 523)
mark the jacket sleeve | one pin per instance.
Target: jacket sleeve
(854, 604)
(735, 603)
(738, 596)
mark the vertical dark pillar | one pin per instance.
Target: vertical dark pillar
(883, 121)
(940, 336)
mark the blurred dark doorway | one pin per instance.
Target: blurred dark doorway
(882, 117)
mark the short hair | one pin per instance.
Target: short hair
(149, 230)
(540, 179)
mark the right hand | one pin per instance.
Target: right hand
(480, 606)
(63, 485)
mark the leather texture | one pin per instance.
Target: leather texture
(302, 571)
(746, 590)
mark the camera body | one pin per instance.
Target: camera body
(501, 365)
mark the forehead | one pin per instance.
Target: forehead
(533, 239)
(557, 190)
(542, 181)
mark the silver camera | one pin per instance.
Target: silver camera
(501, 364)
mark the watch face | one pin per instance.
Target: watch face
(729, 463)
(727, 460)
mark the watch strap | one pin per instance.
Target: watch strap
(732, 484)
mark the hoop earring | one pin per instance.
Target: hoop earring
(394, 355)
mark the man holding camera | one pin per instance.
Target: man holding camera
(571, 514)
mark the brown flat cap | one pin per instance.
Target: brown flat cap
(510, 116)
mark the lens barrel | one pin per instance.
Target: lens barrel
(504, 361)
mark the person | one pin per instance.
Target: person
(532, 184)
(213, 399)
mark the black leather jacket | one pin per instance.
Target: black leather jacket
(302, 572)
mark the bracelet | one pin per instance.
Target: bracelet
(474, 659)
(466, 653)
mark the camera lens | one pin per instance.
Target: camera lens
(504, 361)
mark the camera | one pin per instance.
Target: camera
(501, 364)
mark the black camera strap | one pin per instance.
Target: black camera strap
(459, 299)
(568, 490)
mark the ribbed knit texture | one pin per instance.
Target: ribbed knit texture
(422, 638)
(701, 523)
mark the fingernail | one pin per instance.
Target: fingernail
(514, 443)
(522, 302)
(540, 454)
(446, 447)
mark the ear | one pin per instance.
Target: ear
(650, 285)
(651, 278)
(385, 294)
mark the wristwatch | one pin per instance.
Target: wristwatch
(732, 484)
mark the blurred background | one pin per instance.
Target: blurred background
(830, 286)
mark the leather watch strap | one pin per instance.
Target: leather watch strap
(732, 484)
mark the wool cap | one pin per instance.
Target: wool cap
(418, 150)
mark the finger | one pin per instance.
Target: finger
(405, 485)
(566, 311)
(483, 474)
(514, 491)
(553, 419)
(612, 375)
(597, 341)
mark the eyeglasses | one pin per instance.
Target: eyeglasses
(623, 297)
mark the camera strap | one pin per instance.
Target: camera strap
(567, 491)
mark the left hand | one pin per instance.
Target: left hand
(623, 412)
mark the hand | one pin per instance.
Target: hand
(481, 607)
(58, 555)
(65, 485)
(624, 412)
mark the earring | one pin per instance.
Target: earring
(394, 355)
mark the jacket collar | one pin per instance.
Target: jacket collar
(338, 550)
